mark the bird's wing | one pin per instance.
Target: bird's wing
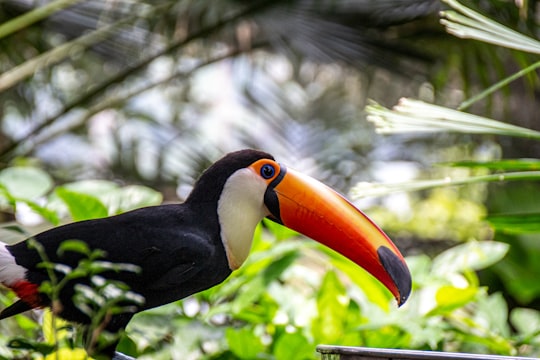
(192, 267)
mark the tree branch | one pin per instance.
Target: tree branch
(96, 91)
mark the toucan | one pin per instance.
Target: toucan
(182, 249)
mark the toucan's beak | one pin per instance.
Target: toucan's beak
(315, 210)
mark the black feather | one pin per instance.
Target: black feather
(14, 309)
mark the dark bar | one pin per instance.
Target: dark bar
(329, 352)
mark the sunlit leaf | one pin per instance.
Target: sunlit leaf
(389, 336)
(253, 289)
(332, 305)
(68, 353)
(136, 196)
(279, 231)
(244, 343)
(293, 346)
(467, 23)
(101, 266)
(82, 206)
(46, 213)
(526, 321)
(26, 182)
(26, 323)
(77, 246)
(449, 298)
(492, 313)
(411, 115)
(490, 343)
(474, 255)
(372, 288)
(54, 328)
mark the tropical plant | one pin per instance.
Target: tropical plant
(125, 79)
(278, 305)
(292, 294)
(515, 219)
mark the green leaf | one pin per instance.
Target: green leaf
(504, 164)
(39, 13)
(491, 343)
(25, 344)
(17, 228)
(526, 321)
(127, 346)
(47, 214)
(136, 196)
(276, 268)
(117, 199)
(77, 246)
(467, 23)
(332, 306)
(256, 287)
(366, 189)
(101, 266)
(46, 287)
(372, 288)
(244, 343)
(519, 271)
(450, 298)
(82, 206)
(390, 336)
(293, 346)
(474, 255)
(411, 115)
(515, 223)
(279, 231)
(492, 312)
(54, 327)
(23, 182)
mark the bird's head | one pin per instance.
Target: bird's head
(249, 185)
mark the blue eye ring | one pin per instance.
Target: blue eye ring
(268, 171)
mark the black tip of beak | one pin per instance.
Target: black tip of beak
(398, 271)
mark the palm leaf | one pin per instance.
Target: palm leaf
(515, 223)
(499, 165)
(366, 189)
(411, 115)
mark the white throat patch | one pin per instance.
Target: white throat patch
(240, 208)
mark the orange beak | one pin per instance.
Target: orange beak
(305, 205)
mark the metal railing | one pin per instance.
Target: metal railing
(329, 352)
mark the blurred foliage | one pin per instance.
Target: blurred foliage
(288, 297)
(511, 210)
(173, 85)
(152, 92)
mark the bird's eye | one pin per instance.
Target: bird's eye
(267, 171)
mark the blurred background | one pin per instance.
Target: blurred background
(151, 92)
